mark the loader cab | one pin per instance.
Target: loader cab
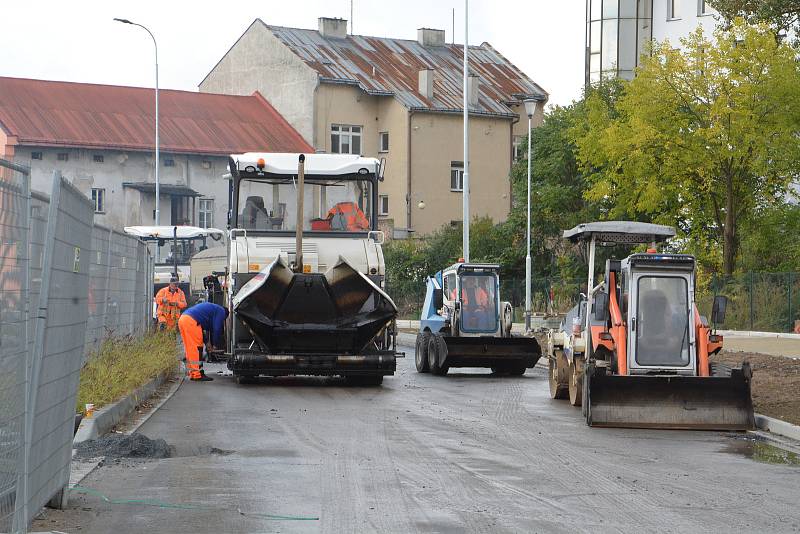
(659, 292)
(471, 296)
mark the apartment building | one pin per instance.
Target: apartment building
(397, 99)
(617, 31)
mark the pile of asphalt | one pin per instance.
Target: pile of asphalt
(124, 446)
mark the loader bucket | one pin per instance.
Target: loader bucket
(340, 311)
(491, 351)
(675, 402)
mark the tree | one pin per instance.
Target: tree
(783, 16)
(703, 139)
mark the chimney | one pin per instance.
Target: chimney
(473, 90)
(333, 28)
(426, 83)
(429, 37)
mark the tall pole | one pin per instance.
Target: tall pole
(465, 184)
(528, 229)
(158, 190)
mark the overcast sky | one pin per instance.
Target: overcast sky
(78, 41)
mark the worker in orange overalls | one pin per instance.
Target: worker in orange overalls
(204, 317)
(476, 304)
(170, 301)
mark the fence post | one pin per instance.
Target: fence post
(108, 282)
(791, 315)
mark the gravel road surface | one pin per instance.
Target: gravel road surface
(466, 453)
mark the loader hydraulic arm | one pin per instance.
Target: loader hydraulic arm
(618, 330)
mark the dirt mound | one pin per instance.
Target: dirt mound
(776, 381)
(124, 446)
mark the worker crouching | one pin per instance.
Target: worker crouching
(170, 301)
(207, 317)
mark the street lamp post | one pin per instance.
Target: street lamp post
(155, 45)
(531, 106)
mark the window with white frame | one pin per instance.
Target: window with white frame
(62, 156)
(383, 204)
(345, 139)
(383, 142)
(702, 8)
(517, 150)
(456, 176)
(205, 212)
(99, 199)
(36, 155)
(673, 9)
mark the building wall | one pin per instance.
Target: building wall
(127, 206)
(436, 141)
(348, 105)
(260, 62)
(686, 22)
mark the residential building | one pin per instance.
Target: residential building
(101, 138)
(397, 99)
(618, 31)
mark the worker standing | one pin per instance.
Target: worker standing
(170, 301)
(208, 317)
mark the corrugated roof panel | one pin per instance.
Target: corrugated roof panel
(397, 63)
(40, 112)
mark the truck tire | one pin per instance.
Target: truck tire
(421, 352)
(437, 353)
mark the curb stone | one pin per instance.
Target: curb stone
(776, 426)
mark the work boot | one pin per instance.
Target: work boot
(202, 378)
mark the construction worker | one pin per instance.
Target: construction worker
(477, 314)
(170, 301)
(207, 317)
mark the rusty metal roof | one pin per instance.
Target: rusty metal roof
(384, 66)
(81, 115)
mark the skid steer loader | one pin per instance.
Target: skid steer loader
(464, 324)
(305, 270)
(634, 352)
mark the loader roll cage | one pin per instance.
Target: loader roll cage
(340, 205)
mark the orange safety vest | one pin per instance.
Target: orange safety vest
(170, 310)
(481, 297)
(348, 216)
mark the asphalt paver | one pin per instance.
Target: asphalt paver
(470, 452)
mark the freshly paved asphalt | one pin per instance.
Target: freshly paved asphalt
(470, 452)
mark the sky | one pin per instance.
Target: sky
(78, 40)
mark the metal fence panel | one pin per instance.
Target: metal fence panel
(59, 345)
(13, 340)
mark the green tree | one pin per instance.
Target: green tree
(703, 139)
(783, 16)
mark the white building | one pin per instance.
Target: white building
(617, 31)
(101, 138)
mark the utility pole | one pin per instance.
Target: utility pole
(465, 184)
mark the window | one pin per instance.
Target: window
(383, 145)
(673, 9)
(662, 321)
(517, 150)
(99, 200)
(205, 213)
(702, 8)
(383, 205)
(36, 155)
(169, 162)
(345, 139)
(63, 156)
(98, 158)
(456, 176)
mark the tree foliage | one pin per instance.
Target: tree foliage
(705, 139)
(783, 16)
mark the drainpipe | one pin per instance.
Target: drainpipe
(511, 164)
(408, 173)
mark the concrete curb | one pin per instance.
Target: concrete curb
(746, 333)
(776, 426)
(109, 416)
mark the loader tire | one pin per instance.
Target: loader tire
(576, 382)
(421, 352)
(437, 352)
(559, 377)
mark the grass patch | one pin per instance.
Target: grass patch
(120, 365)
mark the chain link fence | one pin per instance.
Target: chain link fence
(65, 284)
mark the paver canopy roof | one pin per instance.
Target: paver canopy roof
(384, 66)
(82, 115)
(620, 232)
